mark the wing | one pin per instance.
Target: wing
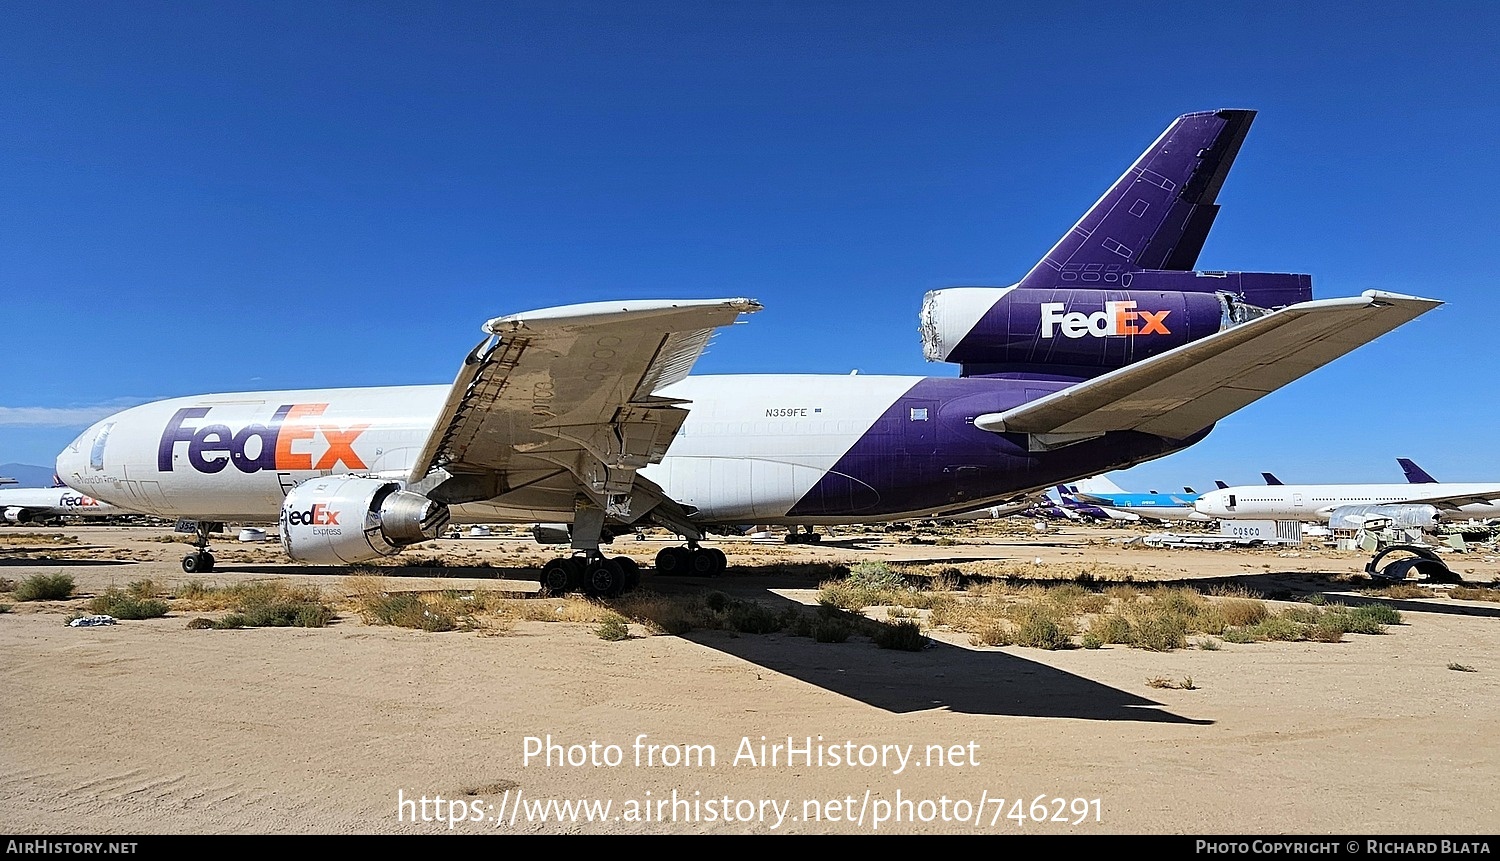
(571, 389)
(1184, 390)
(1451, 501)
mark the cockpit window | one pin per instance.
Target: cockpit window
(96, 454)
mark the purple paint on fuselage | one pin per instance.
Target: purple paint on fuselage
(925, 454)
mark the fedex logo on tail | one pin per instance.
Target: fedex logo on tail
(1117, 318)
(287, 443)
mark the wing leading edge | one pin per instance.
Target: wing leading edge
(1184, 390)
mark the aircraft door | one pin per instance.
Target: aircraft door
(919, 425)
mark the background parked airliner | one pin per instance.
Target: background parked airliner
(1109, 352)
(1106, 494)
(1321, 501)
(35, 504)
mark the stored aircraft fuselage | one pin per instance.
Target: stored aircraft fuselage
(766, 449)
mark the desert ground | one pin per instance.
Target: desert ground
(153, 727)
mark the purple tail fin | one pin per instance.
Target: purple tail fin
(1221, 485)
(1415, 474)
(1270, 479)
(1157, 215)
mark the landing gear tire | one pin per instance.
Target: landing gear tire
(721, 562)
(604, 578)
(558, 577)
(673, 560)
(632, 571)
(706, 562)
(200, 562)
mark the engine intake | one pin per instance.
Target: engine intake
(345, 519)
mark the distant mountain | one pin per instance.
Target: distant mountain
(27, 475)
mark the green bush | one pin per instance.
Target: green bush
(45, 587)
(905, 635)
(613, 629)
(1113, 628)
(876, 576)
(406, 610)
(1159, 634)
(831, 630)
(127, 606)
(749, 617)
(1041, 632)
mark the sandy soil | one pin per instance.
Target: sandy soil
(149, 727)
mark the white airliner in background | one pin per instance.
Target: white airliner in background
(1453, 501)
(1111, 351)
(40, 504)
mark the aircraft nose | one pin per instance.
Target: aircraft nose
(73, 459)
(69, 462)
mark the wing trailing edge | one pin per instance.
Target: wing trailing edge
(1185, 390)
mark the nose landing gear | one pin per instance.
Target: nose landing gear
(200, 561)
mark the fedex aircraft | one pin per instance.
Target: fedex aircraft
(1109, 352)
(35, 504)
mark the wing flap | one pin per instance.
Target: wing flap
(574, 385)
(1180, 392)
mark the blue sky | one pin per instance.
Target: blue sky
(219, 197)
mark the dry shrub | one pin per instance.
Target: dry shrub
(1113, 628)
(1475, 593)
(997, 633)
(1240, 612)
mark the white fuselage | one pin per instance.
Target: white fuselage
(750, 448)
(21, 504)
(1318, 501)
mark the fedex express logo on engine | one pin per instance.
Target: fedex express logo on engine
(1117, 318)
(287, 443)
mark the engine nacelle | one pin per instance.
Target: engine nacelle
(1089, 329)
(15, 514)
(342, 519)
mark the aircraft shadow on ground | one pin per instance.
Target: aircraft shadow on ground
(1273, 585)
(36, 562)
(940, 676)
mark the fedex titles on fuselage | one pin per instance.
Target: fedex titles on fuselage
(275, 446)
(1117, 318)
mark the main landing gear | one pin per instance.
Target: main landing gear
(692, 560)
(200, 561)
(597, 575)
(808, 537)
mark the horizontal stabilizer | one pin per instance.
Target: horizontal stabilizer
(1182, 391)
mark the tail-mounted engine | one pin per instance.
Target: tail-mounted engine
(1088, 329)
(343, 519)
